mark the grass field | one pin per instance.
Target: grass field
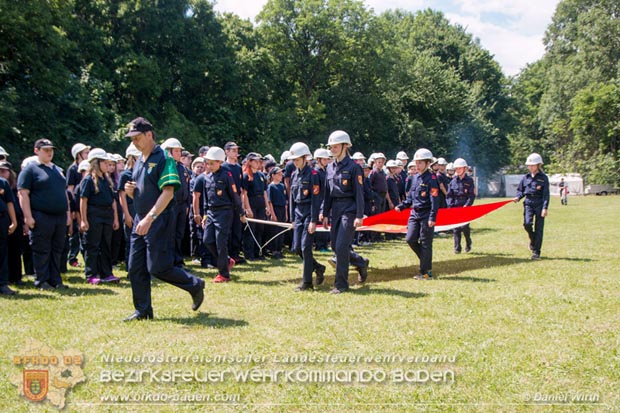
(515, 335)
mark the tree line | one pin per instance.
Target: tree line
(79, 70)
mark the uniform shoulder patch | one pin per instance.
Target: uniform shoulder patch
(434, 192)
(314, 172)
(316, 189)
(433, 176)
(230, 174)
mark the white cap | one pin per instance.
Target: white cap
(391, 164)
(442, 161)
(284, 157)
(298, 149)
(77, 148)
(402, 156)
(322, 153)
(460, 163)
(379, 155)
(337, 137)
(215, 153)
(98, 153)
(83, 166)
(3, 152)
(423, 154)
(172, 143)
(132, 151)
(534, 159)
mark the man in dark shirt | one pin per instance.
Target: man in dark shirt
(43, 198)
(231, 149)
(152, 239)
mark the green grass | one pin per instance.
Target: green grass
(517, 328)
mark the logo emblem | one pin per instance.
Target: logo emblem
(36, 384)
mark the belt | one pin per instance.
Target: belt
(342, 199)
(421, 209)
(220, 208)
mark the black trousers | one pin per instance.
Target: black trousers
(342, 233)
(420, 239)
(98, 242)
(47, 240)
(302, 242)
(152, 255)
(216, 236)
(534, 224)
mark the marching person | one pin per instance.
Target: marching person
(461, 193)
(304, 204)
(423, 198)
(99, 217)
(323, 158)
(43, 198)
(344, 208)
(222, 202)
(18, 239)
(197, 248)
(152, 238)
(534, 186)
(181, 197)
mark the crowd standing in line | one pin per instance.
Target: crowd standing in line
(157, 205)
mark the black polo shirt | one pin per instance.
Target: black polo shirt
(103, 197)
(151, 176)
(47, 188)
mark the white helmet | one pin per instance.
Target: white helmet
(269, 157)
(284, 157)
(534, 159)
(450, 167)
(83, 166)
(380, 155)
(399, 163)
(3, 152)
(460, 163)
(391, 164)
(172, 143)
(322, 153)
(116, 157)
(337, 137)
(411, 164)
(371, 158)
(98, 153)
(442, 161)
(423, 154)
(199, 159)
(402, 156)
(77, 148)
(215, 153)
(299, 149)
(132, 151)
(357, 156)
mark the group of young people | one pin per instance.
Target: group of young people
(150, 196)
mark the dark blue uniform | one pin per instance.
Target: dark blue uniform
(402, 179)
(443, 179)
(6, 197)
(461, 193)
(321, 239)
(222, 202)
(276, 193)
(344, 202)
(48, 203)
(423, 198)
(256, 196)
(122, 180)
(535, 189)
(305, 204)
(153, 254)
(183, 201)
(378, 183)
(197, 247)
(235, 242)
(100, 217)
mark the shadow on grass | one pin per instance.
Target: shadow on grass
(265, 283)
(73, 290)
(203, 319)
(21, 296)
(368, 290)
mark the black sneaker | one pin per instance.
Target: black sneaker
(304, 287)
(467, 249)
(320, 274)
(336, 291)
(137, 316)
(198, 297)
(363, 271)
(535, 256)
(44, 286)
(457, 251)
(5, 290)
